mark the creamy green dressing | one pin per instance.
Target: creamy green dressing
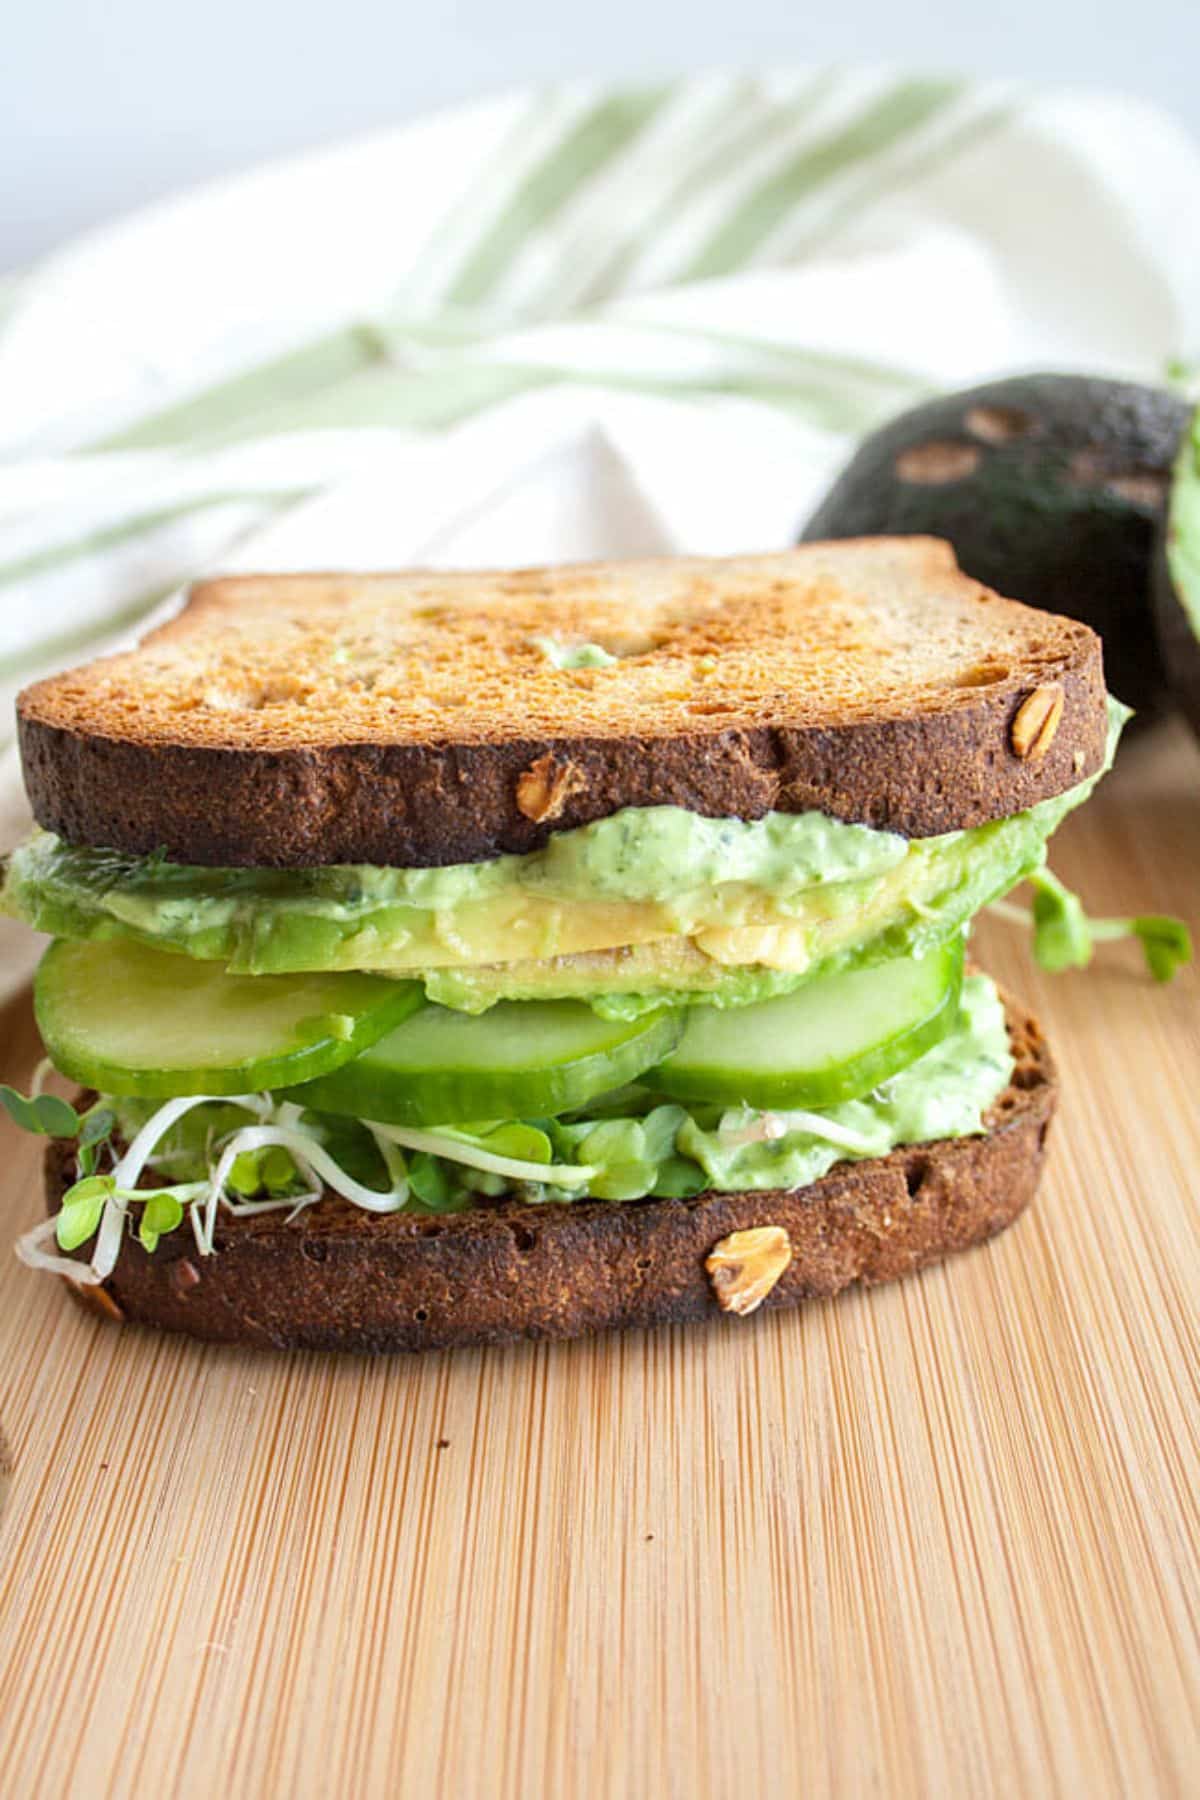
(944, 1094)
(641, 853)
(264, 920)
(575, 656)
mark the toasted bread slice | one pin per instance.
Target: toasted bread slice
(420, 718)
(340, 1279)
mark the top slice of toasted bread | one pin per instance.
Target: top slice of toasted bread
(421, 717)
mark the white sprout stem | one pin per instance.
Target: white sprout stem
(1109, 931)
(773, 1125)
(290, 1203)
(167, 1159)
(393, 1162)
(40, 1076)
(108, 1238)
(828, 1129)
(30, 1252)
(313, 1160)
(455, 1150)
(314, 1164)
(128, 1171)
(1014, 915)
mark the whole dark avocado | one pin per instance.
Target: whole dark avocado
(1177, 579)
(1052, 490)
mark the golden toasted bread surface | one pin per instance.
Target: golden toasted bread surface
(818, 636)
(426, 717)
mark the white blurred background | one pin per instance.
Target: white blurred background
(106, 104)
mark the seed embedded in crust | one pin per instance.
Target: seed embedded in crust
(97, 1299)
(184, 1277)
(544, 788)
(1036, 722)
(745, 1266)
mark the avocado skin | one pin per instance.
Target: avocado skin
(1030, 506)
(1178, 641)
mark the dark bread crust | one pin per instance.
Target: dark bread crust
(411, 806)
(793, 717)
(337, 1279)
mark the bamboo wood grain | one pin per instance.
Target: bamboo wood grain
(937, 1539)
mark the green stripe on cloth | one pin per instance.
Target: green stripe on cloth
(124, 531)
(896, 115)
(869, 193)
(356, 378)
(757, 125)
(388, 399)
(592, 143)
(303, 371)
(83, 638)
(837, 393)
(771, 353)
(830, 404)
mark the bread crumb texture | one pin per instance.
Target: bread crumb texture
(825, 634)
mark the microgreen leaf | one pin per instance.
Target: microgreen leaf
(96, 1126)
(430, 1182)
(270, 1170)
(1062, 938)
(245, 1176)
(44, 1114)
(524, 1143)
(1166, 943)
(277, 1171)
(161, 1213)
(679, 1178)
(81, 1211)
(618, 1148)
(96, 1129)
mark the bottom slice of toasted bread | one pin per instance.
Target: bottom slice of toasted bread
(337, 1278)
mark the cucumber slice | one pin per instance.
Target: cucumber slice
(833, 1040)
(130, 1020)
(521, 1060)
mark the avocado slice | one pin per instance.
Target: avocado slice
(1052, 490)
(1177, 579)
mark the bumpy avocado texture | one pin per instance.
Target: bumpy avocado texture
(1051, 488)
(1177, 579)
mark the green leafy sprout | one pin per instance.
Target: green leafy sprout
(1064, 937)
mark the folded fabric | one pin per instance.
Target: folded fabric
(581, 321)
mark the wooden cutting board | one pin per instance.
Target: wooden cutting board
(941, 1538)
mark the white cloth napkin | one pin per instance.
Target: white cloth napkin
(564, 324)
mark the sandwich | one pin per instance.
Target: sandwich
(446, 958)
